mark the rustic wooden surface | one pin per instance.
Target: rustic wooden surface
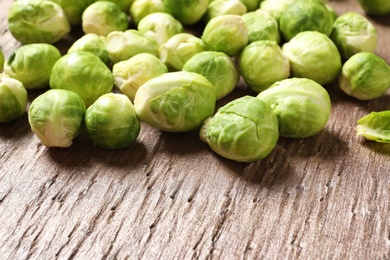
(168, 196)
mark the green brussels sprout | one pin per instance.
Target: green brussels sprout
(262, 63)
(123, 4)
(218, 68)
(179, 49)
(188, 12)
(103, 17)
(375, 7)
(221, 7)
(13, 96)
(244, 130)
(84, 73)
(159, 26)
(226, 33)
(37, 21)
(111, 121)
(74, 9)
(141, 8)
(2, 59)
(365, 76)
(353, 33)
(251, 5)
(93, 43)
(275, 7)
(261, 26)
(305, 15)
(131, 74)
(175, 101)
(56, 117)
(124, 45)
(302, 106)
(375, 126)
(25, 64)
(313, 55)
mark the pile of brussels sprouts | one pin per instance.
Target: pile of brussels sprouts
(138, 61)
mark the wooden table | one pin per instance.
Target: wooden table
(168, 196)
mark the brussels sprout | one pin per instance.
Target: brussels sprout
(305, 15)
(261, 26)
(221, 7)
(2, 59)
(179, 49)
(103, 17)
(32, 64)
(74, 9)
(159, 26)
(83, 73)
(92, 43)
(226, 33)
(111, 121)
(56, 117)
(313, 55)
(365, 76)
(244, 130)
(131, 74)
(175, 101)
(37, 21)
(353, 33)
(301, 105)
(275, 7)
(123, 4)
(262, 63)
(375, 7)
(375, 126)
(124, 45)
(218, 68)
(188, 12)
(251, 5)
(141, 8)
(13, 96)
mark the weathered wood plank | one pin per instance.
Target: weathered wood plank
(169, 196)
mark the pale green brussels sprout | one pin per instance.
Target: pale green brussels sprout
(305, 15)
(251, 5)
(111, 121)
(302, 106)
(123, 4)
(375, 7)
(188, 12)
(353, 33)
(56, 117)
(124, 45)
(179, 49)
(93, 43)
(261, 26)
(160, 27)
(37, 21)
(375, 126)
(262, 63)
(13, 96)
(2, 59)
(365, 76)
(141, 8)
(243, 130)
(221, 7)
(218, 68)
(226, 33)
(131, 74)
(313, 55)
(103, 17)
(84, 73)
(275, 7)
(175, 101)
(32, 64)
(74, 9)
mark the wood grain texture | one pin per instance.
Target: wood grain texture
(168, 196)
